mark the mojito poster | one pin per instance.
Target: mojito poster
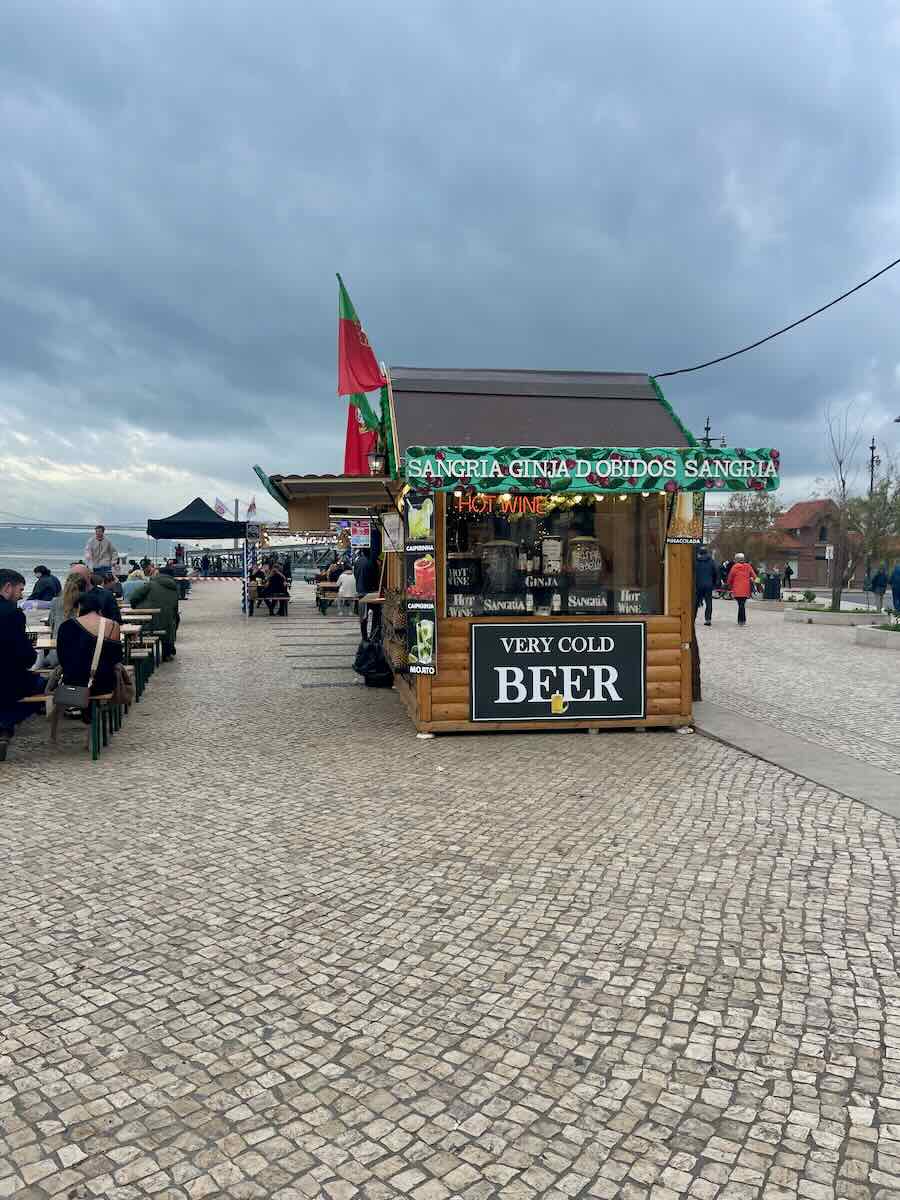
(421, 591)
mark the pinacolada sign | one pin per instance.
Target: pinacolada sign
(518, 469)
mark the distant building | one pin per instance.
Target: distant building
(712, 523)
(807, 529)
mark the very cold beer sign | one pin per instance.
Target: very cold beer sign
(554, 671)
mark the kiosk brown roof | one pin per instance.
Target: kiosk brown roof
(531, 408)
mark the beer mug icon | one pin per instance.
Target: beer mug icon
(557, 705)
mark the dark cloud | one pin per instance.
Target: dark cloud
(513, 184)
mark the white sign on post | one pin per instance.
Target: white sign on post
(252, 532)
(829, 552)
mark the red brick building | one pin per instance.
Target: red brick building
(808, 528)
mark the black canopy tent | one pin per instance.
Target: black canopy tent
(197, 522)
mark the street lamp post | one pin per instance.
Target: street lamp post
(874, 462)
(709, 438)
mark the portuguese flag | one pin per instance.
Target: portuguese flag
(359, 441)
(358, 370)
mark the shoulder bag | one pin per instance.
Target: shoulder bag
(123, 689)
(70, 695)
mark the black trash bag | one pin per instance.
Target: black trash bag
(382, 677)
(371, 663)
(365, 657)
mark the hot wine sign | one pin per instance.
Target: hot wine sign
(551, 671)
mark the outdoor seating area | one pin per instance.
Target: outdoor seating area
(142, 652)
(145, 645)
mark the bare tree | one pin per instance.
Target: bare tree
(747, 523)
(843, 436)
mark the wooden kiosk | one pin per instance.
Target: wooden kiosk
(540, 531)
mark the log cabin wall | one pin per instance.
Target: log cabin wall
(443, 700)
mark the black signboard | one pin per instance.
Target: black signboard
(558, 671)
(421, 579)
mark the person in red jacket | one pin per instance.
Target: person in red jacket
(740, 582)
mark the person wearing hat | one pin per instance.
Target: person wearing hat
(740, 582)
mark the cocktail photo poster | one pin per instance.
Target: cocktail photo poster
(421, 591)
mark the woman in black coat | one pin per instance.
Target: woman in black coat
(76, 641)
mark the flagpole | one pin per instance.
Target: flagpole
(387, 375)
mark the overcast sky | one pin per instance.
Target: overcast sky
(570, 185)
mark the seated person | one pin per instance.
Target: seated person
(17, 655)
(94, 582)
(66, 604)
(76, 641)
(256, 579)
(275, 585)
(133, 582)
(347, 588)
(46, 585)
(160, 591)
(114, 585)
(333, 573)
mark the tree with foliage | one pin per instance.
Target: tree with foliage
(748, 525)
(876, 518)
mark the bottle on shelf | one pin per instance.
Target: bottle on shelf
(529, 560)
(522, 558)
(556, 603)
(529, 602)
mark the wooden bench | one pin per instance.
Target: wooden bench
(106, 718)
(326, 594)
(143, 659)
(283, 602)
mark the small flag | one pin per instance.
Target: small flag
(358, 442)
(358, 369)
(251, 507)
(220, 507)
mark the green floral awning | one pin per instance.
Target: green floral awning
(519, 469)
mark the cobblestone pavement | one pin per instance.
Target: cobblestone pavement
(810, 680)
(271, 945)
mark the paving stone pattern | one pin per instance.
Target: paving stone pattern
(810, 680)
(271, 945)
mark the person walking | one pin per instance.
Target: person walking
(740, 583)
(706, 576)
(99, 553)
(895, 588)
(788, 574)
(366, 577)
(879, 586)
(204, 566)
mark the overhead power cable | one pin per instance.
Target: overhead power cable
(778, 332)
